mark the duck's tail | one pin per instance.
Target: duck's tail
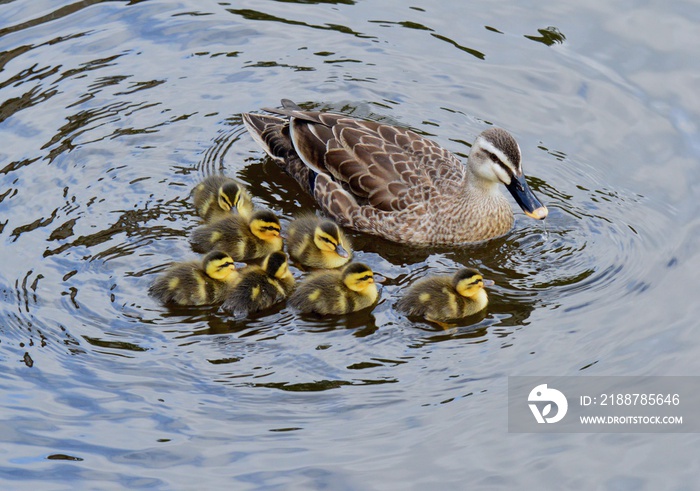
(272, 134)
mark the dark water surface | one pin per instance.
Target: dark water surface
(111, 111)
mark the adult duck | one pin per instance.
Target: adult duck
(394, 183)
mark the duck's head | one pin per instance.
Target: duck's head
(265, 225)
(468, 282)
(494, 158)
(276, 265)
(327, 238)
(219, 266)
(231, 195)
(358, 277)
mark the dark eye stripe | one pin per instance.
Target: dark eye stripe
(498, 161)
(493, 156)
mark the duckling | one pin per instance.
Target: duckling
(317, 243)
(242, 239)
(443, 298)
(394, 183)
(261, 287)
(336, 292)
(201, 282)
(216, 196)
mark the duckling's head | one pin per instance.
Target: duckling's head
(327, 238)
(468, 282)
(276, 265)
(358, 277)
(494, 158)
(265, 225)
(232, 195)
(229, 195)
(219, 266)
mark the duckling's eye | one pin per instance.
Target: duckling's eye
(326, 239)
(365, 277)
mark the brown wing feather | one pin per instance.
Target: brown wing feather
(310, 148)
(389, 167)
(394, 167)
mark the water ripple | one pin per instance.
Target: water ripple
(111, 111)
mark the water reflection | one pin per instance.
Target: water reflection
(548, 36)
(111, 111)
(262, 16)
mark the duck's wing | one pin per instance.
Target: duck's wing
(390, 168)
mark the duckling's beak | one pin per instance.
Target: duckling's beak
(341, 251)
(488, 282)
(526, 199)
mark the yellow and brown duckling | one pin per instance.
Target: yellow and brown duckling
(316, 242)
(217, 196)
(201, 282)
(441, 299)
(242, 239)
(261, 287)
(336, 292)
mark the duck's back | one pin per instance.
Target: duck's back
(230, 234)
(256, 291)
(325, 293)
(186, 284)
(205, 197)
(426, 295)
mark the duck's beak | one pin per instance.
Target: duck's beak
(341, 251)
(526, 199)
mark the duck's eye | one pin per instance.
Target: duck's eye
(493, 157)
